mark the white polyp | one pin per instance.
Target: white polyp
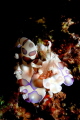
(55, 88)
(68, 81)
(18, 73)
(25, 96)
(16, 56)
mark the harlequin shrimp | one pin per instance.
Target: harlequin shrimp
(41, 70)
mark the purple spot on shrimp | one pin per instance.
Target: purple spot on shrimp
(34, 97)
(24, 51)
(68, 81)
(31, 45)
(32, 53)
(25, 91)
